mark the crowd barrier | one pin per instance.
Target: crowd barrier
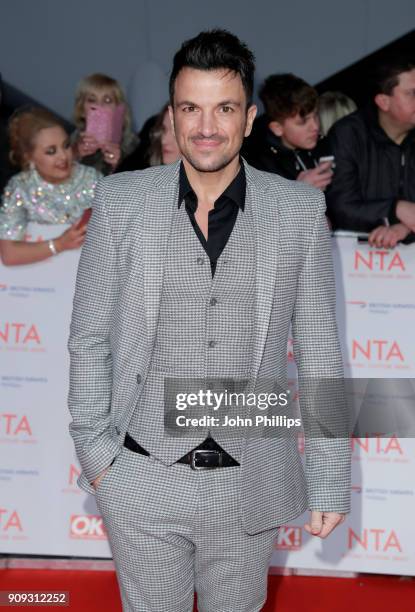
(42, 511)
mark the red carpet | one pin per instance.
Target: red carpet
(97, 591)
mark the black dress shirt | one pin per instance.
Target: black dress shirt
(222, 217)
(221, 221)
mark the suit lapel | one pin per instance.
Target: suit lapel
(266, 228)
(159, 206)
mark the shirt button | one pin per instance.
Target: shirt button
(212, 343)
(200, 261)
(213, 301)
(139, 378)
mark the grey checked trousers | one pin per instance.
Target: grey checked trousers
(174, 531)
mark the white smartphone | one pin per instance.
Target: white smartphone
(328, 158)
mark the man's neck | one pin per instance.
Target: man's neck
(208, 186)
(395, 130)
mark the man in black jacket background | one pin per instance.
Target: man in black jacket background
(373, 189)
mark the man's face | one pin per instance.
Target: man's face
(210, 117)
(298, 132)
(400, 105)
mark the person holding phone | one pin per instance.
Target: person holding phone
(101, 91)
(285, 140)
(51, 188)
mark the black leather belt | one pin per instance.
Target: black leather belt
(199, 459)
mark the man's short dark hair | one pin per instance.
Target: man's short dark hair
(285, 95)
(386, 75)
(213, 50)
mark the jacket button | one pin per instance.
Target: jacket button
(200, 261)
(213, 301)
(212, 343)
(139, 379)
(117, 430)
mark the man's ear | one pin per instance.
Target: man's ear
(171, 115)
(250, 116)
(276, 128)
(382, 101)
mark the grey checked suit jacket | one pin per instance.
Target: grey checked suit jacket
(114, 323)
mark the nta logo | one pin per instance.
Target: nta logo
(374, 540)
(383, 261)
(377, 350)
(74, 474)
(14, 425)
(10, 521)
(377, 445)
(19, 334)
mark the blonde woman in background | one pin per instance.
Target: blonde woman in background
(50, 188)
(332, 106)
(93, 91)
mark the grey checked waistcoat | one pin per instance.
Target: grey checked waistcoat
(205, 330)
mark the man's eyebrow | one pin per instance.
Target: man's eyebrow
(186, 103)
(221, 103)
(229, 102)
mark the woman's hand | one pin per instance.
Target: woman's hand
(112, 154)
(72, 238)
(87, 145)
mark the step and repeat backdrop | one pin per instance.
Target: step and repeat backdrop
(43, 512)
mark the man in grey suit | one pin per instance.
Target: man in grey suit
(194, 272)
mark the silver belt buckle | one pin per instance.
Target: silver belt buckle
(205, 467)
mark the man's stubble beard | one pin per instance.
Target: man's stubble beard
(210, 166)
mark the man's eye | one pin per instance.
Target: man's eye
(189, 109)
(227, 109)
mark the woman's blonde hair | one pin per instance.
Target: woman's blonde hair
(101, 82)
(332, 106)
(24, 125)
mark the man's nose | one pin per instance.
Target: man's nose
(207, 125)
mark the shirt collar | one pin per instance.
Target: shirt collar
(235, 191)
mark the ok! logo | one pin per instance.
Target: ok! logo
(378, 261)
(289, 538)
(87, 527)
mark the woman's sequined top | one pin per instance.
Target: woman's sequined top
(27, 197)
